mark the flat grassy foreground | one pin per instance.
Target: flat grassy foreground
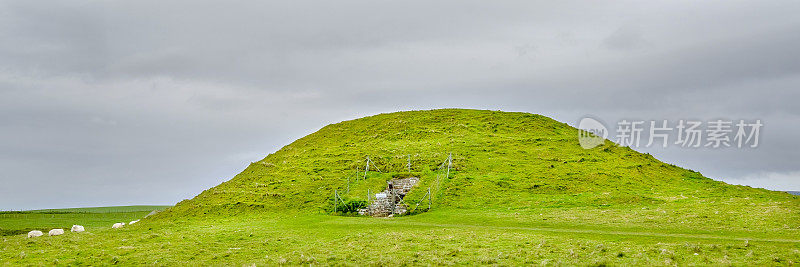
(446, 236)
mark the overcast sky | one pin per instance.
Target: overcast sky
(150, 102)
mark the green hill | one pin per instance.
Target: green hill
(502, 161)
(520, 191)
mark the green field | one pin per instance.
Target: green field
(557, 236)
(111, 209)
(21, 222)
(520, 191)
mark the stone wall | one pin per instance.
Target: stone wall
(396, 190)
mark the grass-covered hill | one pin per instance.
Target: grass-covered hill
(521, 191)
(502, 161)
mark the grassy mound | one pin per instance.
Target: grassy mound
(521, 191)
(502, 161)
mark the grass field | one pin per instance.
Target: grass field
(20, 222)
(448, 236)
(111, 209)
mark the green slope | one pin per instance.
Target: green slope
(502, 162)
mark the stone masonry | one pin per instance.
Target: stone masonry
(389, 201)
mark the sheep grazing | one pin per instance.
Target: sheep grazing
(132, 222)
(118, 225)
(56, 232)
(77, 228)
(35, 233)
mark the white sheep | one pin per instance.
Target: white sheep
(77, 228)
(118, 225)
(132, 222)
(56, 232)
(35, 233)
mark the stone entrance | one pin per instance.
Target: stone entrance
(390, 201)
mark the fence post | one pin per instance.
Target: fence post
(429, 198)
(449, 163)
(409, 164)
(366, 168)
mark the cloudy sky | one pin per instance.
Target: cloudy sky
(150, 102)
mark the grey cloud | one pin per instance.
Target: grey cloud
(150, 102)
(628, 37)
